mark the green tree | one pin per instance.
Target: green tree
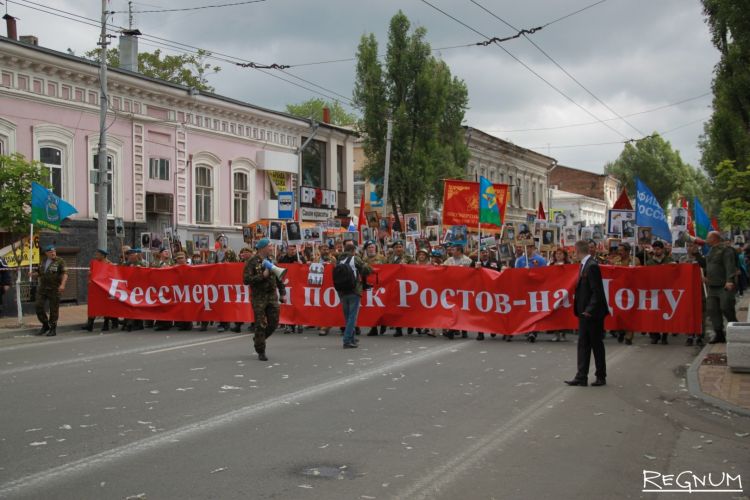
(190, 70)
(659, 166)
(427, 105)
(314, 108)
(734, 184)
(725, 144)
(16, 176)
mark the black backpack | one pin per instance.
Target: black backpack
(344, 278)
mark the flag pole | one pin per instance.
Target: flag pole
(31, 252)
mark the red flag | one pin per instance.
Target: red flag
(714, 224)
(690, 226)
(540, 212)
(623, 202)
(361, 220)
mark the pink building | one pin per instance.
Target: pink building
(198, 163)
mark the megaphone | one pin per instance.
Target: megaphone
(277, 271)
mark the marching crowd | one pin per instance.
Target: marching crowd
(724, 269)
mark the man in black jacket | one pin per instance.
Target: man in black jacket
(590, 306)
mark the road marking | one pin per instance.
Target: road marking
(86, 465)
(94, 357)
(429, 486)
(233, 337)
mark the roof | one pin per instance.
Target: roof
(510, 145)
(134, 74)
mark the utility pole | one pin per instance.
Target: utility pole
(101, 208)
(388, 139)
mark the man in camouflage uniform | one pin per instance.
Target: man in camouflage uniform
(721, 268)
(133, 259)
(399, 256)
(244, 256)
(164, 259)
(263, 286)
(52, 278)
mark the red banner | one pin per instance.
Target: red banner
(461, 204)
(643, 299)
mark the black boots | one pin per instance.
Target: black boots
(719, 338)
(89, 326)
(44, 329)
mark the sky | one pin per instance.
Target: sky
(633, 55)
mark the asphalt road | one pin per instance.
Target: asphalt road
(196, 416)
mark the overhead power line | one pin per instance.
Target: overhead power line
(187, 48)
(631, 141)
(572, 125)
(531, 70)
(200, 7)
(559, 66)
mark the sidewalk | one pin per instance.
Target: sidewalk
(72, 317)
(710, 379)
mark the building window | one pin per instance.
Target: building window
(158, 168)
(52, 160)
(533, 195)
(95, 165)
(512, 189)
(340, 171)
(7, 137)
(313, 163)
(359, 187)
(204, 191)
(241, 194)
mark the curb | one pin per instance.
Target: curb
(695, 388)
(28, 332)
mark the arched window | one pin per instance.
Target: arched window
(7, 137)
(241, 195)
(52, 158)
(54, 147)
(204, 194)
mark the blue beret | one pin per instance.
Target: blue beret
(263, 243)
(49, 248)
(102, 251)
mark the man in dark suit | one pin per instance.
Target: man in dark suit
(590, 306)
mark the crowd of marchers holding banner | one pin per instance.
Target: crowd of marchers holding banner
(401, 240)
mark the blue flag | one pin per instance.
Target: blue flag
(48, 209)
(648, 212)
(702, 220)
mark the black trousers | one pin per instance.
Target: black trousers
(591, 338)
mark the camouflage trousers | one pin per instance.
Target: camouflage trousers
(720, 304)
(53, 297)
(266, 313)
